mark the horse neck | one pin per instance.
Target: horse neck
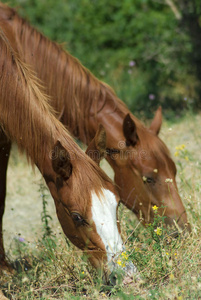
(51, 64)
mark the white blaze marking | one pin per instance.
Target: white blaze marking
(104, 217)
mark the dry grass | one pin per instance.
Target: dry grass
(167, 271)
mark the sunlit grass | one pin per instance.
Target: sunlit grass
(166, 269)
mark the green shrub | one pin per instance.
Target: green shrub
(108, 36)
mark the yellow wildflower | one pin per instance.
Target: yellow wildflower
(125, 255)
(103, 294)
(186, 158)
(158, 231)
(176, 153)
(82, 274)
(155, 208)
(180, 147)
(167, 253)
(119, 262)
(171, 276)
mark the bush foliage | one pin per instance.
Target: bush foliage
(142, 48)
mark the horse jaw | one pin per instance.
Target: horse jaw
(104, 209)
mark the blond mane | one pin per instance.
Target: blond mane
(27, 118)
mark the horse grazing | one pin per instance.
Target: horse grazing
(140, 160)
(85, 198)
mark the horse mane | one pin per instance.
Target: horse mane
(86, 95)
(17, 93)
(27, 118)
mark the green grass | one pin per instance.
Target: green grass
(50, 268)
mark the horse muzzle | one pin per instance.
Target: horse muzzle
(116, 272)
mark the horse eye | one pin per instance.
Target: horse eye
(78, 219)
(150, 180)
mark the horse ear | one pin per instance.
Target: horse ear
(97, 147)
(61, 163)
(157, 121)
(130, 131)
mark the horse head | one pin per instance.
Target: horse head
(86, 201)
(145, 172)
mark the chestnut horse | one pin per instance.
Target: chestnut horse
(85, 198)
(144, 171)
